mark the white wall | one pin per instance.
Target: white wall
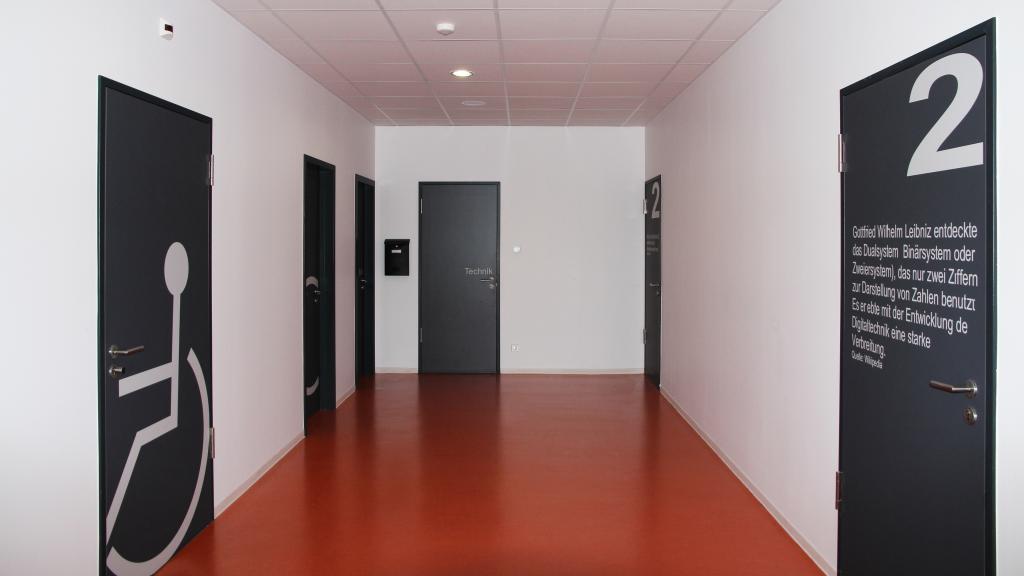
(752, 241)
(571, 198)
(266, 115)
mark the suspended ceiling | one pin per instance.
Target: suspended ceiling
(534, 62)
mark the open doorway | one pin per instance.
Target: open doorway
(365, 317)
(318, 286)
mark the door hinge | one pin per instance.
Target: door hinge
(645, 336)
(421, 205)
(213, 443)
(645, 204)
(209, 170)
(839, 489)
(842, 153)
(421, 335)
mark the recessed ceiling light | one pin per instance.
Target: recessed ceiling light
(445, 28)
(474, 103)
(462, 73)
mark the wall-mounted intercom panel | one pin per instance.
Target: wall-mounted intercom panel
(396, 257)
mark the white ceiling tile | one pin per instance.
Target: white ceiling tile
(650, 51)
(343, 25)
(542, 103)
(553, 4)
(656, 103)
(602, 72)
(481, 122)
(265, 24)
(561, 115)
(545, 72)
(231, 5)
(685, 73)
(481, 72)
(405, 102)
(470, 114)
(470, 89)
(436, 4)
(732, 24)
(667, 90)
(548, 50)
(532, 122)
(753, 4)
(555, 89)
(706, 51)
(561, 24)
(321, 4)
(456, 103)
(640, 119)
(620, 89)
(434, 113)
(393, 88)
(361, 72)
(455, 53)
(608, 103)
(672, 4)
(422, 24)
(652, 24)
(360, 51)
(440, 122)
(599, 117)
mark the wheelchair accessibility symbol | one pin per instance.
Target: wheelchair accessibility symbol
(176, 277)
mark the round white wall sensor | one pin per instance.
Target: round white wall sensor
(445, 28)
(517, 249)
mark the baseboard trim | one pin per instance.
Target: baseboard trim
(395, 370)
(572, 371)
(345, 396)
(227, 502)
(789, 528)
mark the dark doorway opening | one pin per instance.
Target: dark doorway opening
(459, 276)
(365, 316)
(318, 386)
(652, 280)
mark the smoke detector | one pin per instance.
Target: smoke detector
(445, 28)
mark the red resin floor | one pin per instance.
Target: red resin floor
(487, 475)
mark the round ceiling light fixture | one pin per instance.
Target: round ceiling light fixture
(474, 103)
(462, 73)
(445, 28)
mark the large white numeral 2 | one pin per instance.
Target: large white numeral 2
(656, 205)
(969, 77)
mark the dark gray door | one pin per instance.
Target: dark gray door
(652, 280)
(365, 284)
(319, 295)
(459, 277)
(916, 344)
(155, 328)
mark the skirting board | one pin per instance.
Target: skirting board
(220, 508)
(789, 528)
(553, 371)
(227, 502)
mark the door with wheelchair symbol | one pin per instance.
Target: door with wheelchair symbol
(155, 329)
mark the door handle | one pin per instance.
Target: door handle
(654, 284)
(970, 389)
(115, 351)
(492, 283)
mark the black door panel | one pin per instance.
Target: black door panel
(155, 328)
(652, 279)
(459, 277)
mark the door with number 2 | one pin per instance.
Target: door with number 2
(914, 491)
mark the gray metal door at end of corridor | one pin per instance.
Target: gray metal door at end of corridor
(459, 277)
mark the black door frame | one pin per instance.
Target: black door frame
(369, 242)
(104, 84)
(328, 294)
(987, 28)
(497, 273)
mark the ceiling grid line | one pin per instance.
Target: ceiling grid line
(590, 61)
(501, 59)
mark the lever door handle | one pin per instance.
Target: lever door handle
(491, 279)
(115, 351)
(970, 388)
(654, 284)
